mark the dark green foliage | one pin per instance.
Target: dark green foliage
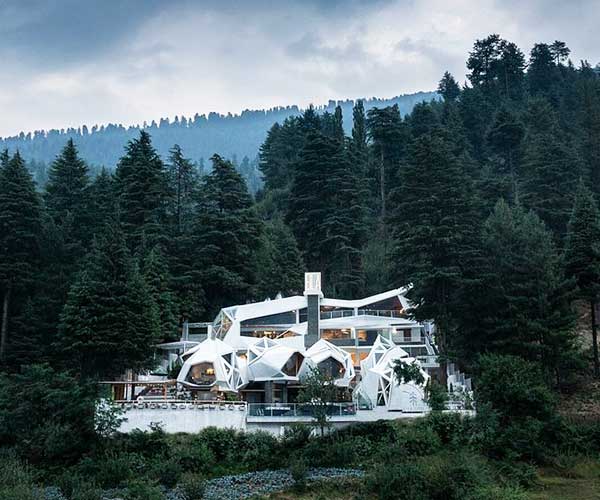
(51, 421)
(326, 214)
(582, 255)
(408, 372)
(281, 267)
(182, 183)
(448, 87)
(158, 280)
(437, 395)
(141, 183)
(389, 137)
(110, 322)
(66, 191)
(227, 235)
(518, 406)
(434, 224)
(20, 224)
(523, 272)
(192, 486)
(550, 172)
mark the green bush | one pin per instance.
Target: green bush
(403, 481)
(16, 480)
(495, 492)
(193, 454)
(258, 450)
(111, 470)
(166, 471)
(138, 489)
(417, 439)
(150, 444)
(445, 476)
(192, 486)
(296, 436)
(326, 453)
(448, 426)
(299, 473)
(221, 442)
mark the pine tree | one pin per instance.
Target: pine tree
(281, 267)
(559, 51)
(520, 303)
(433, 225)
(183, 183)
(110, 322)
(102, 202)
(20, 223)
(142, 191)
(227, 233)
(541, 74)
(550, 170)
(448, 88)
(389, 136)
(582, 255)
(65, 194)
(158, 280)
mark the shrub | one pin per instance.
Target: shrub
(404, 481)
(326, 453)
(417, 439)
(192, 486)
(495, 492)
(138, 489)
(296, 436)
(16, 480)
(147, 443)
(445, 476)
(299, 473)
(221, 442)
(259, 450)
(436, 395)
(517, 473)
(448, 426)
(111, 470)
(193, 455)
(166, 472)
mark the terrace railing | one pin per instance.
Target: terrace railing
(174, 404)
(299, 410)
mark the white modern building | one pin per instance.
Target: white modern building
(246, 369)
(262, 351)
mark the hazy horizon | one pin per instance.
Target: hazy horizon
(68, 63)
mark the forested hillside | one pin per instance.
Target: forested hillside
(236, 137)
(486, 201)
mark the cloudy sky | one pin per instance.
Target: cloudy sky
(73, 62)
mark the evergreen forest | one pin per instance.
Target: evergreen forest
(485, 199)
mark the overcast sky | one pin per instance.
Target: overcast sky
(73, 62)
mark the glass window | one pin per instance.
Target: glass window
(202, 374)
(331, 368)
(334, 334)
(284, 318)
(293, 364)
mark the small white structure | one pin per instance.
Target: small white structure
(379, 384)
(330, 360)
(211, 365)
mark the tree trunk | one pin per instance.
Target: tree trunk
(4, 328)
(595, 339)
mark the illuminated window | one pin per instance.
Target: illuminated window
(202, 374)
(332, 334)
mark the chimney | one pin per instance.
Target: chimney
(312, 291)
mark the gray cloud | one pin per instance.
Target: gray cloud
(69, 62)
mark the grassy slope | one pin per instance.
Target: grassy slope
(580, 482)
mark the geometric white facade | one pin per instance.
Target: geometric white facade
(262, 351)
(379, 384)
(212, 364)
(269, 360)
(331, 360)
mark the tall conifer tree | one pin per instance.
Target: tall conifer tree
(142, 191)
(20, 224)
(110, 322)
(582, 256)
